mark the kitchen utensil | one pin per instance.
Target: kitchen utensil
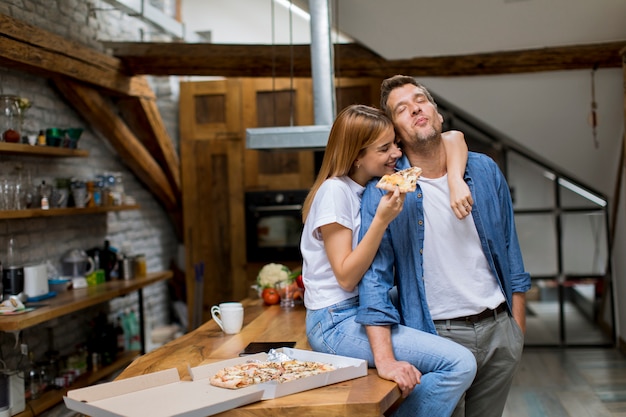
(12, 280)
(76, 263)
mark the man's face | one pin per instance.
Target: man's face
(414, 116)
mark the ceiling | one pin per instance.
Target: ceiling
(409, 28)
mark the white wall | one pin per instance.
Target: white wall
(245, 22)
(548, 114)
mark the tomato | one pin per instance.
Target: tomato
(300, 281)
(270, 296)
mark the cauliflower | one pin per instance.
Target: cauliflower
(272, 273)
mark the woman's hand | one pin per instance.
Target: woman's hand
(461, 199)
(390, 206)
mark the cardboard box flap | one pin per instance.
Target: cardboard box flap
(338, 361)
(124, 386)
(179, 399)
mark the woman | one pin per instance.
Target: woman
(362, 146)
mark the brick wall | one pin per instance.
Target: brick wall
(42, 239)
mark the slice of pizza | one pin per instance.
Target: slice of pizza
(405, 180)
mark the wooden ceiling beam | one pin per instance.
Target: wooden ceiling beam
(28, 48)
(351, 60)
(102, 116)
(144, 119)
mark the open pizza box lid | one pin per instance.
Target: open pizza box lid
(163, 394)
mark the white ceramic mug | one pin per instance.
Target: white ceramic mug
(229, 316)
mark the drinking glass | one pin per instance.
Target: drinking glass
(286, 290)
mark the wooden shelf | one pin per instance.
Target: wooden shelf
(26, 149)
(54, 212)
(52, 397)
(77, 299)
(69, 302)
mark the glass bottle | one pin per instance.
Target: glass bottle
(45, 191)
(41, 138)
(10, 119)
(11, 252)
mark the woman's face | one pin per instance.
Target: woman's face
(379, 158)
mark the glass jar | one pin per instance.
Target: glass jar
(10, 119)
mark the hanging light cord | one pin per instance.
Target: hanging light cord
(336, 51)
(273, 65)
(593, 116)
(291, 92)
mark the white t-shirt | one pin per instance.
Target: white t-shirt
(457, 276)
(338, 200)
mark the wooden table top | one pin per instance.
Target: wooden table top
(366, 396)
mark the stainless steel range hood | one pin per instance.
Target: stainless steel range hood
(307, 137)
(288, 138)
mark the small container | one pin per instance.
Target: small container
(141, 269)
(59, 285)
(54, 136)
(128, 268)
(41, 138)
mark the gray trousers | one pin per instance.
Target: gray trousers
(497, 344)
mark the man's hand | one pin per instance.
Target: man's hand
(402, 373)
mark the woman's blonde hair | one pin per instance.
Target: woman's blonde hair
(355, 128)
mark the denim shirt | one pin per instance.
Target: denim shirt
(403, 241)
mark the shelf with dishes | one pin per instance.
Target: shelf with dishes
(27, 149)
(68, 211)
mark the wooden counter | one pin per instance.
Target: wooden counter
(368, 396)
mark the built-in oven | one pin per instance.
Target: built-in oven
(274, 225)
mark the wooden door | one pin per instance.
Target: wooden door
(357, 91)
(213, 200)
(271, 102)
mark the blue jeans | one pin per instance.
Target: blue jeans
(448, 368)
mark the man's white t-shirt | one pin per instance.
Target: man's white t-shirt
(338, 200)
(457, 276)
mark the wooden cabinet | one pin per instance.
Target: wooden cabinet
(211, 152)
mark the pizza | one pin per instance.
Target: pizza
(250, 373)
(405, 180)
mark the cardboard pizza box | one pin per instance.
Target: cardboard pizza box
(163, 394)
(347, 368)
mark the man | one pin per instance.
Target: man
(463, 279)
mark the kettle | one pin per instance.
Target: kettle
(76, 263)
